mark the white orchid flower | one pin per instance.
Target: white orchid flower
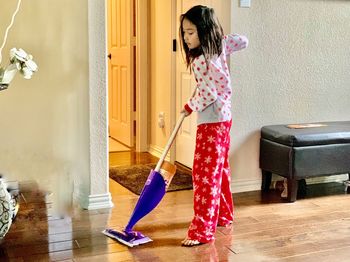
(26, 72)
(17, 64)
(19, 61)
(19, 54)
(31, 65)
(20, 57)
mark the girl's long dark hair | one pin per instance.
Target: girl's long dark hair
(209, 31)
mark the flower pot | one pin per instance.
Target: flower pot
(6, 209)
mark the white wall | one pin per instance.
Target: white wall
(93, 191)
(44, 121)
(295, 70)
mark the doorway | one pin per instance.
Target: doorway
(127, 64)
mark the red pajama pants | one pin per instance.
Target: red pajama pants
(211, 176)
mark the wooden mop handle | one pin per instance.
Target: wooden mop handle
(170, 141)
(172, 137)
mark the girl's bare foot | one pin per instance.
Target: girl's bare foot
(190, 242)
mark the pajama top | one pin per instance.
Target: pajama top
(212, 100)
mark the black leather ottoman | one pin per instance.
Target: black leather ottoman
(304, 151)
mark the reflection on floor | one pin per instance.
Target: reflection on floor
(266, 228)
(131, 158)
(115, 146)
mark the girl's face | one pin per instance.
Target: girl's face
(190, 34)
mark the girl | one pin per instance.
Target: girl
(206, 49)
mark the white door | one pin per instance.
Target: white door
(121, 43)
(185, 82)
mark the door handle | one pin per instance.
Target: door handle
(110, 56)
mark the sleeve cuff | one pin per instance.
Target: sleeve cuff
(188, 109)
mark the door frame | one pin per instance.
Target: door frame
(174, 31)
(142, 75)
(93, 190)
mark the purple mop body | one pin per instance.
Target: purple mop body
(152, 193)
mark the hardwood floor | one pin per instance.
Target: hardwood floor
(314, 228)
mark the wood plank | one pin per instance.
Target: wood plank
(266, 228)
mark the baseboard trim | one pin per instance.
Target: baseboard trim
(238, 186)
(157, 151)
(97, 201)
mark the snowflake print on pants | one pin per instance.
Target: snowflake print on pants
(213, 204)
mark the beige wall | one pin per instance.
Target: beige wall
(44, 121)
(296, 69)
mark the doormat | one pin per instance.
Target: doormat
(134, 177)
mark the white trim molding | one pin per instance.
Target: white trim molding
(142, 75)
(238, 186)
(98, 201)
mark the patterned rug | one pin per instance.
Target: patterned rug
(134, 177)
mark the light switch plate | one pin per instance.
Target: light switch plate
(244, 3)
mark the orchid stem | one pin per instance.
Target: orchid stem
(8, 28)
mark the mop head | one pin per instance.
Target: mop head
(131, 238)
(152, 193)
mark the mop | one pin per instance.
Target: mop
(152, 193)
